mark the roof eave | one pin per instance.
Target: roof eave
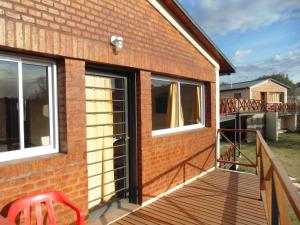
(226, 67)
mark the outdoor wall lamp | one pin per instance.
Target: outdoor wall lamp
(117, 42)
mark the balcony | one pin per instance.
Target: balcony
(233, 105)
(262, 195)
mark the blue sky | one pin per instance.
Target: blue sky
(259, 37)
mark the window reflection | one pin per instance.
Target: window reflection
(191, 103)
(164, 104)
(9, 113)
(176, 104)
(36, 105)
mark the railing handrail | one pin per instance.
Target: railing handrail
(277, 190)
(288, 187)
(253, 130)
(229, 105)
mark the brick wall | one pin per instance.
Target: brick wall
(169, 160)
(80, 30)
(63, 172)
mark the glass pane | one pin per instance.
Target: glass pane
(36, 105)
(118, 95)
(9, 112)
(190, 103)
(118, 83)
(164, 104)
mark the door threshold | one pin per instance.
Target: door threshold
(110, 213)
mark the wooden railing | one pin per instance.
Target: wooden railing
(229, 156)
(281, 107)
(277, 189)
(279, 195)
(234, 105)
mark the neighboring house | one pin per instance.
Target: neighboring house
(267, 90)
(103, 121)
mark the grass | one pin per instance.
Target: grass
(286, 149)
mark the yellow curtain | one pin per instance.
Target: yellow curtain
(197, 105)
(181, 118)
(274, 97)
(173, 119)
(101, 164)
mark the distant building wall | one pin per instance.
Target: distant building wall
(256, 121)
(291, 122)
(282, 123)
(268, 86)
(275, 123)
(245, 93)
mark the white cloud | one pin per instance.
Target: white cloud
(288, 63)
(221, 17)
(241, 55)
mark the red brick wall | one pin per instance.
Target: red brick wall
(62, 172)
(169, 160)
(81, 30)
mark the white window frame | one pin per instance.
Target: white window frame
(274, 92)
(187, 127)
(53, 109)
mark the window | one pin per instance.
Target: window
(176, 105)
(28, 117)
(274, 97)
(237, 95)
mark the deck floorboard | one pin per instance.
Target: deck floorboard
(220, 197)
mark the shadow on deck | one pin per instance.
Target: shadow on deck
(220, 197)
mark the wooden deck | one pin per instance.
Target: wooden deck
(220, 197)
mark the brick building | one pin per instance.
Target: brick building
(100, 121)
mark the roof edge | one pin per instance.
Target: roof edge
(259, 82)
(194, 23)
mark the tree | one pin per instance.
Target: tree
(282, 78)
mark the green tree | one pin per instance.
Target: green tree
(282, 78)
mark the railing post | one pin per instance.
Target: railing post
(275, 213)
(257, 153)
(261, 167)
(218, 149)
(235, 142)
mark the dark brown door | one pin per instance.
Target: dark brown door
(263, 96)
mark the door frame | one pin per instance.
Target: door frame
(133, 155)
(263, 96)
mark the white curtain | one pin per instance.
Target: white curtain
(101, 181)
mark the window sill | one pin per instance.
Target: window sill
(32, 159)
(156, 133)
(24, 154)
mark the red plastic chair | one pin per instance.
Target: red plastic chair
(47, 198)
